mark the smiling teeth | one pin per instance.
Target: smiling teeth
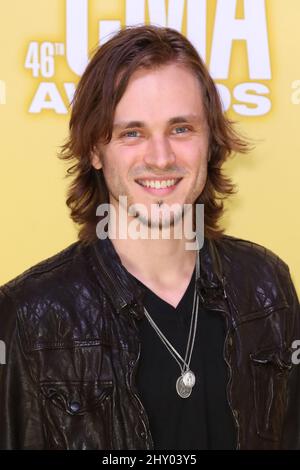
(158, 184)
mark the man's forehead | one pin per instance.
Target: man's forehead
(189, 117)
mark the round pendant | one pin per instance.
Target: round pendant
(189, 378)
(182, 390)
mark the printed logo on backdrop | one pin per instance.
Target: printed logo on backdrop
(249, 98)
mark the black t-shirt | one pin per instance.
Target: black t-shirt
(203, 420)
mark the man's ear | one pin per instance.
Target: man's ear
(95, 159)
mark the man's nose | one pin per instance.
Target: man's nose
(159, 153)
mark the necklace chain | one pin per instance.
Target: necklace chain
(184, 364)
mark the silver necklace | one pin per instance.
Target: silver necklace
(187, 379)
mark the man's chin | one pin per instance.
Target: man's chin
(156, 223)
(160, 220)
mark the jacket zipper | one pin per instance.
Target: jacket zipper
(141, 406)
(228, 386)
(228, 393)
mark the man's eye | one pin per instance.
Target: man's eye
(131, 134)
(181, 130)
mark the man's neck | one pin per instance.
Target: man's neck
(164, 266)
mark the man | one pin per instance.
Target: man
(136, 342)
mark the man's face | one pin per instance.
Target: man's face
(159, 147)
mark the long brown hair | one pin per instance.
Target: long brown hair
(100, 89)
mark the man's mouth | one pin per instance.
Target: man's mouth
(159, 185)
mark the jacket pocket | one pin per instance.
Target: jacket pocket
(78, 415)
(270, 371)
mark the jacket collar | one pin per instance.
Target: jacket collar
(124, 292)
(115, 280)
(211, 282)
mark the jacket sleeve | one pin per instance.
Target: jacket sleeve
(291, 430)
(20, 416)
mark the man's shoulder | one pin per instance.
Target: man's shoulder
(242, 253)
(258, 277)
(52, 273)
(45, 300)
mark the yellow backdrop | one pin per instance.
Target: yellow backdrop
(252, 50)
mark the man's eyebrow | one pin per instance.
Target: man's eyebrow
(186, 118)
(174, 120)
(125, 124)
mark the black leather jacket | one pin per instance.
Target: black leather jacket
(72, 349)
